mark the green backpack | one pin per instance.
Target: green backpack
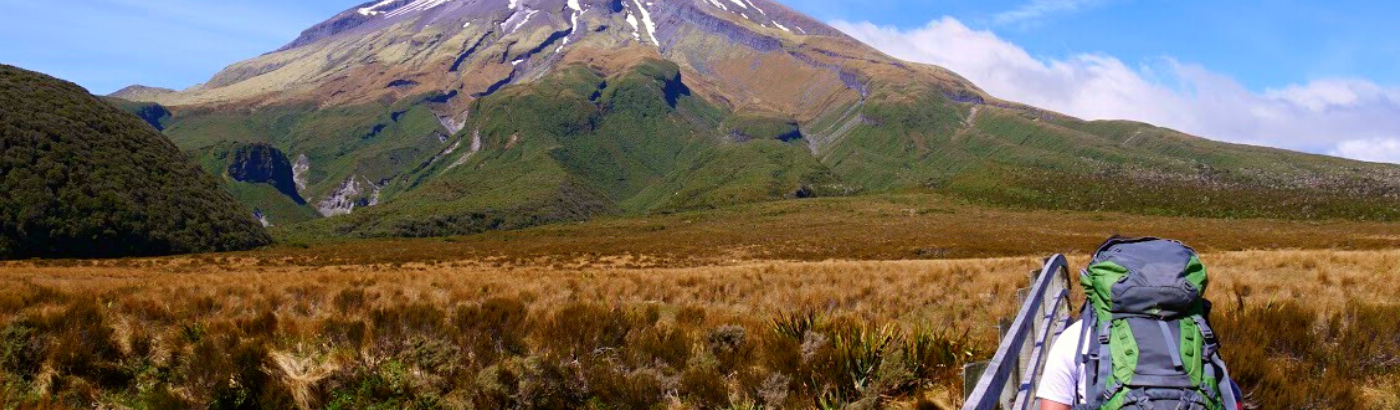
(1150, 343)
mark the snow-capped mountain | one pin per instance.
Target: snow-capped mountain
(746, 52)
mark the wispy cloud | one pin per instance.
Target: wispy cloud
(1039, 9)
(1344, 117)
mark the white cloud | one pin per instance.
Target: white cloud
(1038, 9)
(1353, 118)
(1376, 150)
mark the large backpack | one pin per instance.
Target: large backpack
(1150, 343)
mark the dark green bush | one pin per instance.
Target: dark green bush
(22, 350)
(85, 179)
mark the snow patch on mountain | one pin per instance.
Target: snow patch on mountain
(646, 19)
(573, 24)
(419, 5)
(382, 8)
(755, 7)
(512, 24)
(374, 10)
(636, 30)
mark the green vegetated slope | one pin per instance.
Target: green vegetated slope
(1021, 157)
(277, 206)
(577, 144)
(1134, 167)
(369, 144)
(81, 178)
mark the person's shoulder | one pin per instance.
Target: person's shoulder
(1068, 340)
(1073, 328)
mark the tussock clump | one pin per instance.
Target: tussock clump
(82, 343)
(495, 328)
(584, 329)
(302, 374)
(667, 346)
(350, 300)
(704, 387)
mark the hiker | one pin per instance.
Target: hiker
(1146, 315)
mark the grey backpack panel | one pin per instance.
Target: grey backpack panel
(1156, 283)
(1159, 355)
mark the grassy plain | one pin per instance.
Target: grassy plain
(827, 304)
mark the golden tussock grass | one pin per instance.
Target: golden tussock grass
(608, 332)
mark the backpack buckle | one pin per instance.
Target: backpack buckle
(1205, 327)
(1103, 338)
(1108, 394)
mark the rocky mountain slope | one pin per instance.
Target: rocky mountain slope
(431, 117)
(80, 178)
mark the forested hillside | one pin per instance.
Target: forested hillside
(82, 178)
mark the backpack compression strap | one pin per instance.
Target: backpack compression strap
(1223, 382)
(1086, 319)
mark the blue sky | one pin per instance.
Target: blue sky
(1314, 76)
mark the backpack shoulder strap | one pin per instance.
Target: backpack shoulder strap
(1086, 325)
(1098, 366)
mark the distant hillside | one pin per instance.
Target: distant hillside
(81, 178)
(140, 93)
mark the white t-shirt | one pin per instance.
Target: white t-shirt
(1063, 374)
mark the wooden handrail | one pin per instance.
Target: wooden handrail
(994, 381)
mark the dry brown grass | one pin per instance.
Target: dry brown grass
(887, 227)
(320, 331)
